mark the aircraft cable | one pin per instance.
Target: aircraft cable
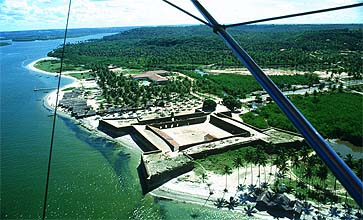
(54, 115)
(186, 12)
(294, 15)
(267, 19)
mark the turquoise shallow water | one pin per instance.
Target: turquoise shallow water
(91, 177)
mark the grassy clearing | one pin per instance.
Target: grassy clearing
(216, 163)
(86, 75)
(132, 71)
(54, 66)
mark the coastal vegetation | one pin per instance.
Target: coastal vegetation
(297, 171)
(334, 115)
(332, 48)
(53, 66)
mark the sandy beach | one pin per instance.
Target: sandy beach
(189, 183)
(50, 99)
(190, 188)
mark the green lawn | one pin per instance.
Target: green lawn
(54, 66)
(83, 75)
(216, 163)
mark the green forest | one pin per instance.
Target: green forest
(334, 48)
(334, 115)
(241, 85)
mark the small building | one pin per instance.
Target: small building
(157, 76)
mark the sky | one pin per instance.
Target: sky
(51, 14)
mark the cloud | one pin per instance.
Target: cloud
(44, 14)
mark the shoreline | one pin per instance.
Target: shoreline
(85, 124)
(50, 99)
(186, 188)
(31, 67)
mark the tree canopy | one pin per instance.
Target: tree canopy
(334, 48)
(231, 103)
(334, 115)
(209, 105)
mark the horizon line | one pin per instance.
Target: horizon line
(173, 25)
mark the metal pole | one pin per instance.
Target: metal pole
(348, 179)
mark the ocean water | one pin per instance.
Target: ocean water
(91, 177)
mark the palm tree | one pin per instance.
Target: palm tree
(358, 215)
(335, 188)
(204, 177)
(227, 171)
(232, 203)
(319, 217)
(308, 173)
(349, 160)
(307, 209)
(263, 161)
(322, 174)
(251, 188)
(295, 163)
(237, 162)
(210, 194)
(276, 162)
(265, 185)
(241, 187)
(220, 202)
(304, 153)
(347, 216)
(281, 175)
(347, 208)
(358, 168)
(243, 198)
(245, 157)
(250, 210)
(334, 212)
(250, 158)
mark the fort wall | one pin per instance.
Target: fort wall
(213, 151)
(220, 123)
(113, 131)
(151, 180)
(181, 122)
(225, 115)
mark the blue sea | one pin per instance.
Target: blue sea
(91, 177)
